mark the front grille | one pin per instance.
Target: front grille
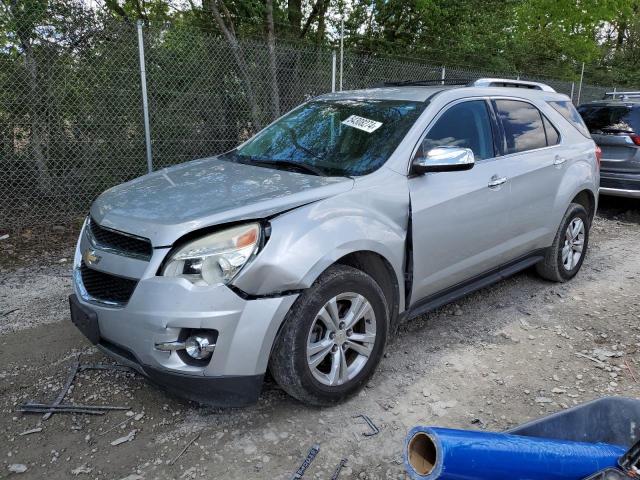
(106, 287)
(619, 183)
(120, 242)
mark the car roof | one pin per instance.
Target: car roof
(417, 94)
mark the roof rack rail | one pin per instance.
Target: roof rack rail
(622, 95)
(424, 83)
(507, 82)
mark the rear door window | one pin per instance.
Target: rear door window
(523, 127)
(569, 112)
(611, 119)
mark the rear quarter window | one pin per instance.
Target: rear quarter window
(569, 112)
(553, 137)
(603, 119)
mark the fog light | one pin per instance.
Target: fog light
(199, 347)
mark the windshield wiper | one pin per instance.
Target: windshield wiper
(291, 165)
(296, 144)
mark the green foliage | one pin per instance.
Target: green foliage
(536, 37)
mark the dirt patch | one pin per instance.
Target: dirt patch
(27, 247)
(31, 297)
(500, 357)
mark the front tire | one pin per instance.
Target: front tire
(332, 339)
(564, 258)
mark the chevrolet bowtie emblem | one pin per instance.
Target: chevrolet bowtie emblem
(90, 257)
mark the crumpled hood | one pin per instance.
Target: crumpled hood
(169, 203)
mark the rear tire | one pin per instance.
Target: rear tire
(564, 257)
(332, 339)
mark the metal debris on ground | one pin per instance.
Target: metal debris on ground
(69, 405)
(578, 354)
(184, 449)
(127, 438)
(49, 410)
(479, 422)
(338, 469)
(81, 470)
(313, 451)
(58, 407)
(68, 408)
(65, 388)
(29, 432)
(374, 429)
(116, 426)
(626, 363)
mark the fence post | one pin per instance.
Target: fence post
(442, 75)
(145, 103)
(573, 86)
(341, 50)
(333, 71)
(580, 88)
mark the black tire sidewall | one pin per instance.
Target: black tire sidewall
(576, 211)
(348, 280)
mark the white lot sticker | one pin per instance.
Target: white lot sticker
(362, 123)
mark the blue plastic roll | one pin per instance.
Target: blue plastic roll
(447, 454)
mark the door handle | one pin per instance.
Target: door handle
(559, 160)
(497, 181)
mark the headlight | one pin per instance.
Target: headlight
(215, 258)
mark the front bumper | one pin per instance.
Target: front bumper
(160, 308)
(620, 184)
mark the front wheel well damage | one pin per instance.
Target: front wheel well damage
(378, 268)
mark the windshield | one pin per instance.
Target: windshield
(336, 138)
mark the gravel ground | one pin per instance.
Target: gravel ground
(502, 356)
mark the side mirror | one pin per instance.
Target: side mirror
(444, 159)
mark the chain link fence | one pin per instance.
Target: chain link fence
(71, 110)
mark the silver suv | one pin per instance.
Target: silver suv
(301, 250)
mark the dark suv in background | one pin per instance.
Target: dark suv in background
(614, 124)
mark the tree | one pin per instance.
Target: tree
(22, 18)
(225, 22)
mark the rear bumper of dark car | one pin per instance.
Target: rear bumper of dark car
(620, 184)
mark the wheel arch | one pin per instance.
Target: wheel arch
(579, 184)
(382, 272)
(587, 199)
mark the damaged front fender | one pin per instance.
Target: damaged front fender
(306, 241)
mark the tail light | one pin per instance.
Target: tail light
(635, 138)
(598, 155)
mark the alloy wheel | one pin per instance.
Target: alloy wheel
(341, 339)
(573, 244)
